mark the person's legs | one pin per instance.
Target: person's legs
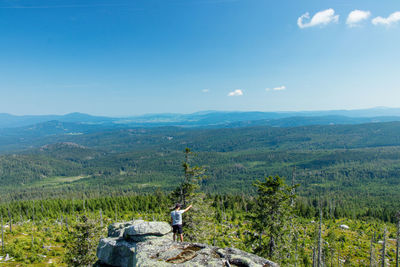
(175, 230)
(180, 232)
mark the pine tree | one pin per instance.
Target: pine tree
(199, 220)
(82, 243)
(271, 217)
(190, 183)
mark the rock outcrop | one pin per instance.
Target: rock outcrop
(147, 244)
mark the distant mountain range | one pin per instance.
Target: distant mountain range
(11, 121)
(346, 151)
(143, 131)
(215, 118)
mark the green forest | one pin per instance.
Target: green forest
(344, 175)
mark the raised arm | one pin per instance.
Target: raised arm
(188, 208)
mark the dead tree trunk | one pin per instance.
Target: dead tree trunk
(10, 219)
(296, 250)
(101, 218)
(384, 248)
(313, 257)
(215, 232)
(73, 208)
(33, 222)
(319, 260)
(371, 253)
(293, 183)
(2, 235)
(33, 212)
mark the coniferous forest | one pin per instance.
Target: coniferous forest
(294, 198)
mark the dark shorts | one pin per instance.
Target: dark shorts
(177, 229)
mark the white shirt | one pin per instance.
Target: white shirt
(176, 216)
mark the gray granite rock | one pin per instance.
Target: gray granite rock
(145, 244)
(115, 251)
(144, 231)
(241, 258)
(185, 254)
(117, 229)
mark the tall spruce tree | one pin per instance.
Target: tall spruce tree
(199, 220)
(82, 243)
(193, 175)
(272, 216)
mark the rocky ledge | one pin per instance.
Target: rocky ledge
(145, 244)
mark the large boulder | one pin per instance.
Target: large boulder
(115, 251)
(145, 244)
(118, 249)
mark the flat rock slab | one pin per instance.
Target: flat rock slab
(138, 230)
(117, 229)
(143, 231)
(237, 257)
(170, 253)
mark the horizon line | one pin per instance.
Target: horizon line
(200, 111)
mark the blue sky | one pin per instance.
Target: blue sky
(119, 57)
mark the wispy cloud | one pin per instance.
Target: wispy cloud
(279, 88)
(392, 19)
(205, 90)
(356, 17)
(321, 18)
(237, 92)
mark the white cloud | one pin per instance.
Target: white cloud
(321, 18)
(357, 16)
(205, 90)
(392, 19)
(279, 88)
(237, 92)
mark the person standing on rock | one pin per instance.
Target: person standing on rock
(176, 220)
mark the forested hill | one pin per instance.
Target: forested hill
(360, 163)
(204, 139)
